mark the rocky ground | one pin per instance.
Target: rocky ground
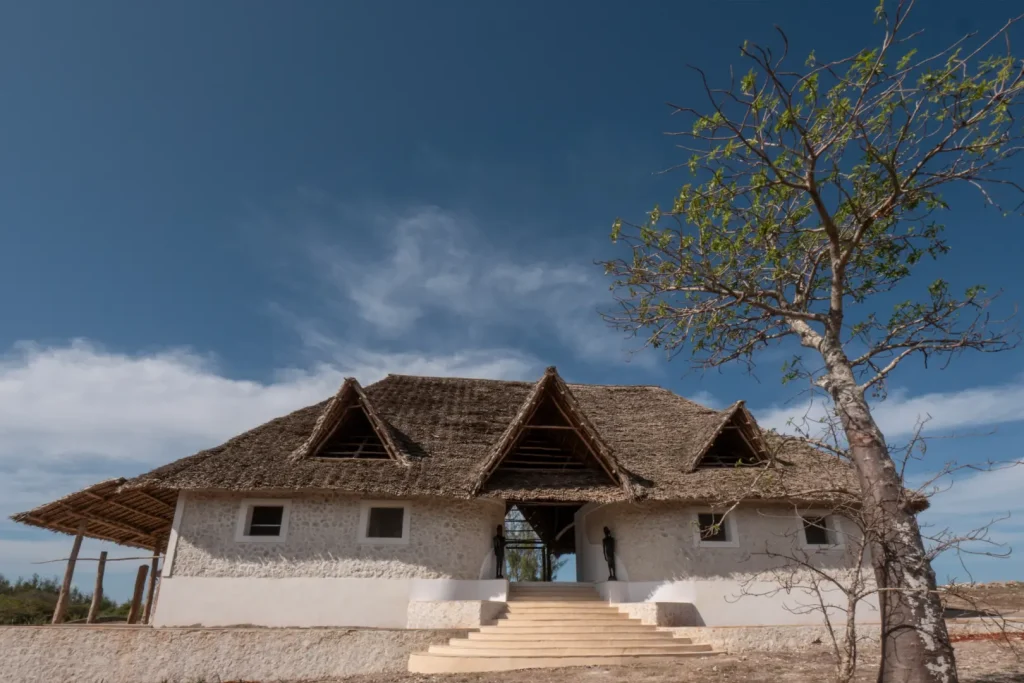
(979, 662)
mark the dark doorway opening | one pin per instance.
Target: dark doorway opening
(540, 541)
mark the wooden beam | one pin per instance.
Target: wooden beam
(153, 574)
(97, 591)
(600, 460)
(140, 585)
(105, 537)
(123, 526)
(566, 427)
(60, 612)
(108, 501)
(156, 500)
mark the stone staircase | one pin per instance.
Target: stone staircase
(552, 625)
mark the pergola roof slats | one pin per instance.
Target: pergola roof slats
(129, 517)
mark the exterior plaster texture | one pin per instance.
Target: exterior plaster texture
(447, 539)
(768, 638)
(439, 614)
(660, 560)
(96, 654)
(660, 613)
(657, 542)
(805, 638)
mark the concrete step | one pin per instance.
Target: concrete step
(563, 622)
(571, 627)
(540, 595)
(540, 617)
(558, 650)
(556, 597)
(548, 605)
(428, 663)
(605, 643)
(617, 635)
(583, 590)
(540, 614)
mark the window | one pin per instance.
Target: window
(384, 523)
(818, 529)
(712, 528)
(715, 530)
(263, 520)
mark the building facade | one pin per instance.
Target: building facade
(379, 508)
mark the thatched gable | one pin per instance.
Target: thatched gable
(737, 437)
(565, 416)
(349, 406)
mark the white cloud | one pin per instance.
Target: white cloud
(975, 502)
(899, 414)
(79, 399)
(437, 272)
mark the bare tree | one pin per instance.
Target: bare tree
(817, 189)
(829, 580)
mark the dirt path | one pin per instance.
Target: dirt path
(979, 662)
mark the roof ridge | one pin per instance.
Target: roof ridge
(527, 382)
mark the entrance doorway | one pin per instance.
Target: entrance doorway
(540, 541)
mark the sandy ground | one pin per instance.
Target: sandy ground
(979, 662)
(1003, 597)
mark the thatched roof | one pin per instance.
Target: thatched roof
(445, 436)
(448, 430)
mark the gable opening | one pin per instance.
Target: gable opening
(731, 449)
(548, 442)
(354, 439)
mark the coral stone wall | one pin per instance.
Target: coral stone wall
(656, 542)
(119, 654)
(447, 539)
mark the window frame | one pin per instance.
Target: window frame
(364, 522)
(833, 527)
(245, 516)
(731, 532)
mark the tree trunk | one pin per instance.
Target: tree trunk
(915, 644)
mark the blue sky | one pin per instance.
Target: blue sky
(212, 212)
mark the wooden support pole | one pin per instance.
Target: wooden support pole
(153, 574)
(97, 591)
(140, 585)
(61, 611)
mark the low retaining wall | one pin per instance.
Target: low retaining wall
(806, 637)
(660, 613)
(448, 614)
(126, 654)
(730, 602)
(325, 602)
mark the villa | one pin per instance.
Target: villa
(379, 508)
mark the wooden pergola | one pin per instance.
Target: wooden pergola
(138, 518)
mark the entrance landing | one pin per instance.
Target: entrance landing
(549, 625)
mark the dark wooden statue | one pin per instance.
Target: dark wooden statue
(499, 552)
(608, 545)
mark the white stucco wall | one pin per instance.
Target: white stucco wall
(448, 539)
(321, 573)
(659, 560)
(320, 602)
